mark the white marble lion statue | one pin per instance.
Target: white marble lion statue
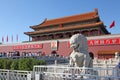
(79, 56)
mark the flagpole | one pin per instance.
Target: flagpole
(17, 37)
(12, 38)
(7, 39)
(2, 39)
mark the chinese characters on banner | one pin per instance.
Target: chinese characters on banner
(28, 46)
(104, 41)
(98, 42)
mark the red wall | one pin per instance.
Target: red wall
(95, 49)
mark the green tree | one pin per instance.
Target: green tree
(23, 64)
(14, 65)
(7, 63)
(1, 63)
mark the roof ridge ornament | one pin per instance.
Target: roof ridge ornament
(96, 10)
(43, 21)
(39, 24)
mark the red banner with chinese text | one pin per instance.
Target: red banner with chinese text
(28, 46)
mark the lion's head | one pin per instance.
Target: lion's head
(79, 43)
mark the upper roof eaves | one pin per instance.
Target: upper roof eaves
(74, 18)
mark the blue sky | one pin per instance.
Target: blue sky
(17, 15)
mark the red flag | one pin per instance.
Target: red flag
(112, 24)
(7, 39)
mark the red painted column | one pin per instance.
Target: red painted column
(99, 32)
(89, 33)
